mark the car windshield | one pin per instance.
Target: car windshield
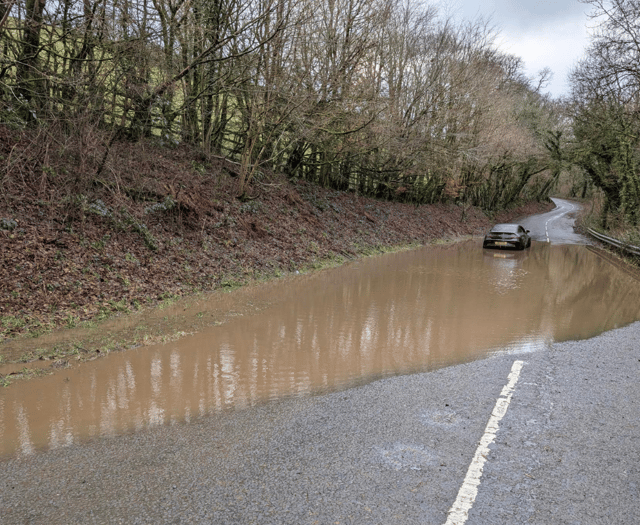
(505, 228)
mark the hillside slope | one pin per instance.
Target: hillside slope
(160, 222)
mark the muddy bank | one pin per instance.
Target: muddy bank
(171, 227)
(148, 325)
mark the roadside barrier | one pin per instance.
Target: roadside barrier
(629, 248)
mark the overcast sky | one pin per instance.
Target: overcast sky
(544, 33)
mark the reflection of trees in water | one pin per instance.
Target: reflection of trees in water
(392, 314)
(583, 295)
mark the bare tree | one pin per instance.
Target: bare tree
(30, 81)
(385, 97)
(606, 102)
(612, 66)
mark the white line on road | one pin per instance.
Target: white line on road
(560, 212)
(459, 511)
(546, 224)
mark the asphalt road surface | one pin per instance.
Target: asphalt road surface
(556, 226)
(545, 437)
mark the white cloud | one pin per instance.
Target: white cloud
(558, 45)
(544, 33)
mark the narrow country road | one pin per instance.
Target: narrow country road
(556, 226)
(540, 437)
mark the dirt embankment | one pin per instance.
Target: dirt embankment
(163, 223)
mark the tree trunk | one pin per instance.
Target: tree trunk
(31, 85)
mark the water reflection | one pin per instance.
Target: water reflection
(387, 315)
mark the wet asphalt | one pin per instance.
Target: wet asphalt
(556, 226)
(393, 451)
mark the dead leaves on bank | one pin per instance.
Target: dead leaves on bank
(253, 229)
(56, 270)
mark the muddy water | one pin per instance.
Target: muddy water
(387, 315)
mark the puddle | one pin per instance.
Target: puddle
(393, 314)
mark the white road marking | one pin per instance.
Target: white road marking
(559, 213)
(459, 511)
(546, 224)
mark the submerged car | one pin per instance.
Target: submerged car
(507, 236)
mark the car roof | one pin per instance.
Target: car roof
(509, 228)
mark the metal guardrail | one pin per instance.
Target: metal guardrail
(629, 248)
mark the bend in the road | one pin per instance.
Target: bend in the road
(556, 226)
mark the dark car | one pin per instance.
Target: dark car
(507, 236)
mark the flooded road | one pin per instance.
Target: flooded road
(392, 314)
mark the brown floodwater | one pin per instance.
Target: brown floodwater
(393, 314)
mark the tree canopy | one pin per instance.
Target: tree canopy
(384, 97)
(606, 108)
